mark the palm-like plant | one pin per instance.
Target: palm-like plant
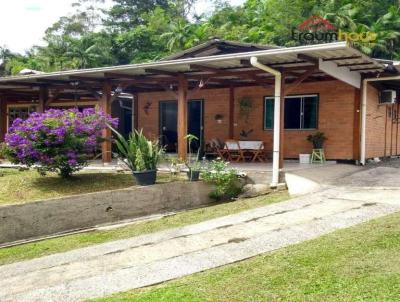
(387, 29)
(178, 35)
(137, 152)
(344, 17)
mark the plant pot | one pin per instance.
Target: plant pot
(145, 178)
(318, 145)
(193, 175)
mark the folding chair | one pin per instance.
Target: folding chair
(259, 154)
(233, 150)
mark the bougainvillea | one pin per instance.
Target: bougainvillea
(60, 141)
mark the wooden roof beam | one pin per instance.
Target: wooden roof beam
(354, 64)
(204, 68)
(342, 58)
(160, 71)
(366, 69)
(299, 80)
(308, 59)
(87, 79)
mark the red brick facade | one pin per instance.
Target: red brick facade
(382, 130)
(335, 118)
(338, 114)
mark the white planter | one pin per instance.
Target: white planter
(304, 158)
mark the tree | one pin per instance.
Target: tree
(124, 15)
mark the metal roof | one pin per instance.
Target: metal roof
(221, 67)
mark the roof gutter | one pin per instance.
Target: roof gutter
(277, 116)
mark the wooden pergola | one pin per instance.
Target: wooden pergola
(182, 77)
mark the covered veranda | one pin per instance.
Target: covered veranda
(284, 69)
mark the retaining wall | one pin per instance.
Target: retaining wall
(53, 216)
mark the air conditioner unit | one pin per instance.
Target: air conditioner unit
(388, 96)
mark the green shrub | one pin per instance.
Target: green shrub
(137, 152)
(225, 180)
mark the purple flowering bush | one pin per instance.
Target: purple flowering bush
(59, 141)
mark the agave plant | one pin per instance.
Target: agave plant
(137, 152)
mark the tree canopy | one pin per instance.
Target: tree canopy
(132, 31)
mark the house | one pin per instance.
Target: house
(230, 90)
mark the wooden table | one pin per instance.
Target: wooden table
(241, 148)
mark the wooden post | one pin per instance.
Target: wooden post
(105, 105)
(43, 98)
(282, 124)
(135, 114)
(3, 119)
(182, 116)
(397, 127)
(231, 111)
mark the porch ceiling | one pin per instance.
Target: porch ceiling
(212, 71)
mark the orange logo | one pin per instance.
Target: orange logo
(316, 23)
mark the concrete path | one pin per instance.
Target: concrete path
(141, 261)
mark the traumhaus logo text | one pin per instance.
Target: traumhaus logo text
(319, 30)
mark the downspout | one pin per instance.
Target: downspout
(363, 121)
(277, 115)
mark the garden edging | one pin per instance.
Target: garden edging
(47, 217)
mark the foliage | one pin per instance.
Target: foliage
(245, 105)
(225, 180)
(132, 31)
(193, 164)
(176, 166)
(58, 140)
(317, 139)
(137, 152)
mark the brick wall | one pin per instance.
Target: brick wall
(382, 134)
(336, 116)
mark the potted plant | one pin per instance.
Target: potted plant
(140, 155)
(245, 105)
(193, 164)
(317, 139)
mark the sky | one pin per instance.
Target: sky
(23, 22)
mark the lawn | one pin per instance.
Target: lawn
(66, 243)
(24, 186)
(356, 264)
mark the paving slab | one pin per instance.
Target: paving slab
(150, 259)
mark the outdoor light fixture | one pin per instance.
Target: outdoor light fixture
(201, 84)
(219, 118)
(118, 89)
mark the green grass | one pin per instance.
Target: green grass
(25, 186)
(356, 264)
(66, 243)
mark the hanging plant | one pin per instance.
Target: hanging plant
(146, 108)
(246, 134)
(245, 104)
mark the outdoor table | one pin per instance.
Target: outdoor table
(254, 148)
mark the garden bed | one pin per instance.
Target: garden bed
(18, 187)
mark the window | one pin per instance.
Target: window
(301, 112)
(21, 112)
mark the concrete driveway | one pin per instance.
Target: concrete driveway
(342, 201)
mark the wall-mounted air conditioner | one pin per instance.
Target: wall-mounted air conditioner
(388, 96)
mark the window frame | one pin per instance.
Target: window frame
(31, 108)
(302, 96)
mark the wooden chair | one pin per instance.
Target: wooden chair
(259, 154)
(215, 148)
(233, 150)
